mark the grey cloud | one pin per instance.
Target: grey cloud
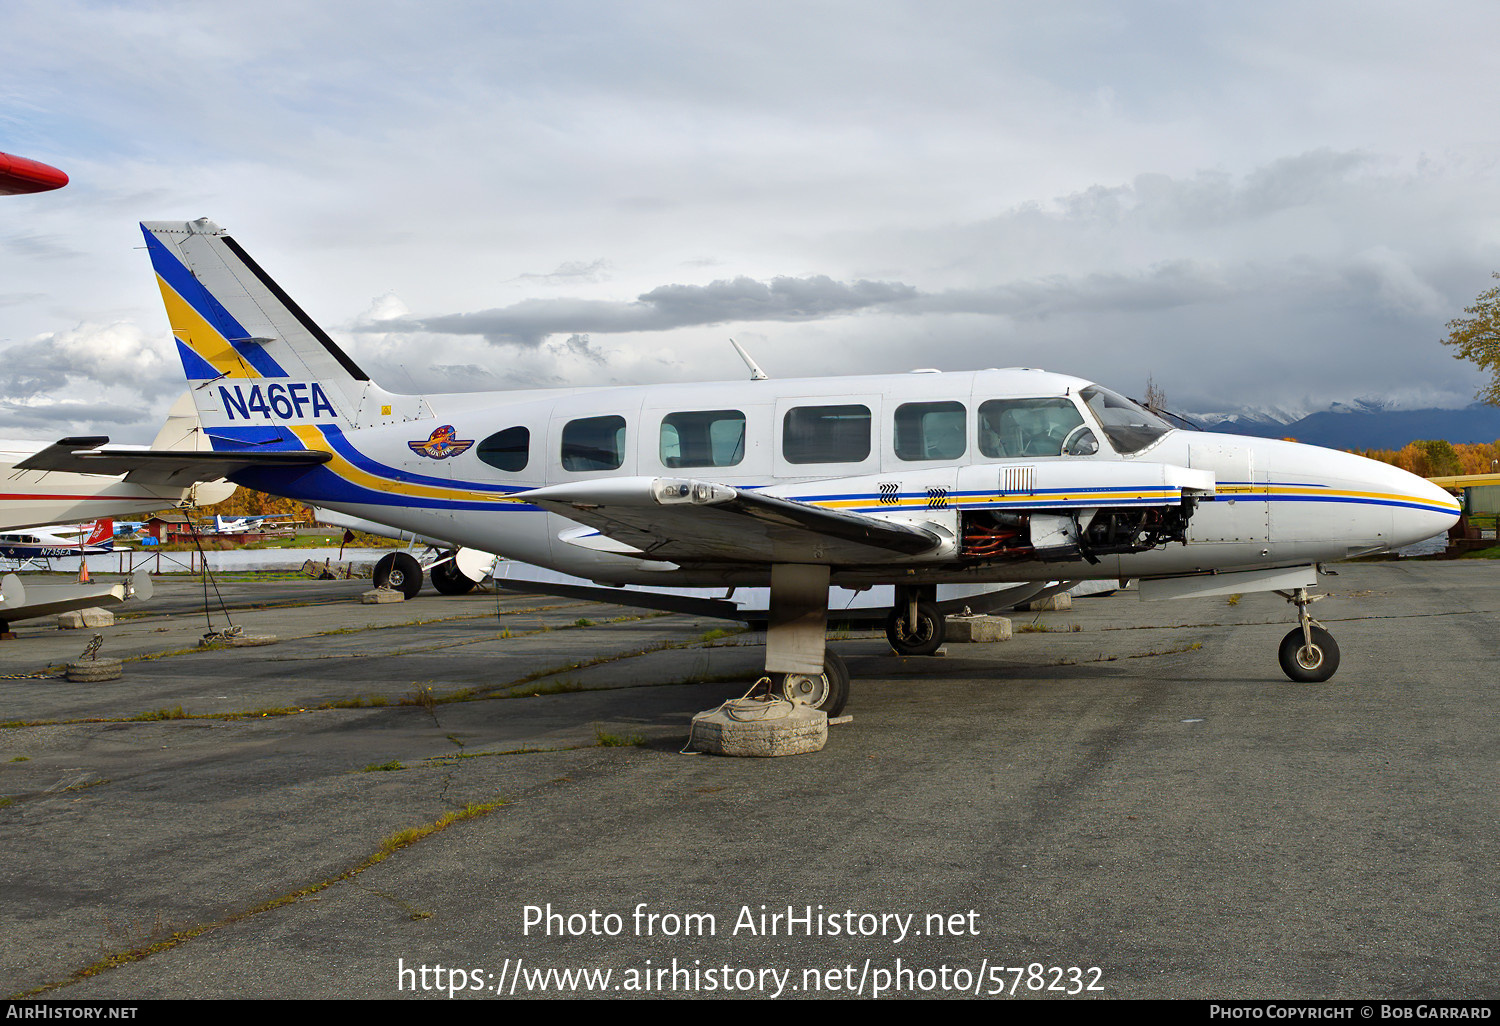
(530, 322)
(45, 419)
(670, 306)
(1173, 284)
(580, 346)
(31, 369)
(1212, 198)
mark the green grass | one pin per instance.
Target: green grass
(174, 713)
(607, 740)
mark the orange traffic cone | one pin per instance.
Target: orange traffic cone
(83, 570)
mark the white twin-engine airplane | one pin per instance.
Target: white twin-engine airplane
(911, 480)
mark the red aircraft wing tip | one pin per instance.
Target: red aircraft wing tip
(19, 175)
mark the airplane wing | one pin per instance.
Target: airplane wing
(688, 521)
(177, 468)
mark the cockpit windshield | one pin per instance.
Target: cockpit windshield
(1129, 427)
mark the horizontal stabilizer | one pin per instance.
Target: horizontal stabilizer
(174, 467)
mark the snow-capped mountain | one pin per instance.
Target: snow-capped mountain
(1368, 422)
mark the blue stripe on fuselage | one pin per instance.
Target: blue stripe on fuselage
(345, 448)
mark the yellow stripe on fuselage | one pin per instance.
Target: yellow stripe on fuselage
(1338, 493)
(192, 330)
(950, 501)
(311, 438)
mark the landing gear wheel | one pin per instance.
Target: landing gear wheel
(449, 580)
(827, 691)
(928, 636)
(1309, 664)
(401, 572)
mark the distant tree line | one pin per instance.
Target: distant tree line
(247, 502)
(1440, 458)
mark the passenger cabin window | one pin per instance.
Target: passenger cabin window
(826, 434)
(930, 431)
(1130, 428)
(507, 450)
(711, 438)
(594, 443)
(1033, 427)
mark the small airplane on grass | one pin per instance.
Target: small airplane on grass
(245, 525)
(1013, 476)
(39, 545)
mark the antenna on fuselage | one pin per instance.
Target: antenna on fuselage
(756, 374)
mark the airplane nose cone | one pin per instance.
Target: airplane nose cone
(1420, 509)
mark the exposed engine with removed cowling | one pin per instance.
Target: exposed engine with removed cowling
(1059, 535)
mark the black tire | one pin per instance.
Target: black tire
(1309, 666)
(931, 630)
(828, 691)
(449, 580)
(401, 572)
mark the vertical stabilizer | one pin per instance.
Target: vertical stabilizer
(259, 368)
(103, 533)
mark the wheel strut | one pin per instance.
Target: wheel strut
(1308, 653)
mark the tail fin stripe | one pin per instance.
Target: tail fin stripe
(211, 329)
(194, 366)
(205, 341)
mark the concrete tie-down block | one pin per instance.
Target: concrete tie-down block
(377, 596)
(1051, 604)
(75, 619)
(759, 727)
(89, 670)
(978, 629)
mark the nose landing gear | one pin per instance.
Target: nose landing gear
(1308, 653)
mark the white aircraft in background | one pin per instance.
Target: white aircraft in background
(33, 498)
(908, 480)
(242, 525)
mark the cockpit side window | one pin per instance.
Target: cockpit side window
(1128, 427)
(1031, 427)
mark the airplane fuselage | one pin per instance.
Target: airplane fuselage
(983, 456)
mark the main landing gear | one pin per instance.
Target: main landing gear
(828, 690)
(1308, 653)
(799, 664)
(399, 571)
(455, 571)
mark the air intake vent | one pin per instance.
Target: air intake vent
(1018, 480)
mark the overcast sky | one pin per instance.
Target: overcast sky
(1255, 204)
